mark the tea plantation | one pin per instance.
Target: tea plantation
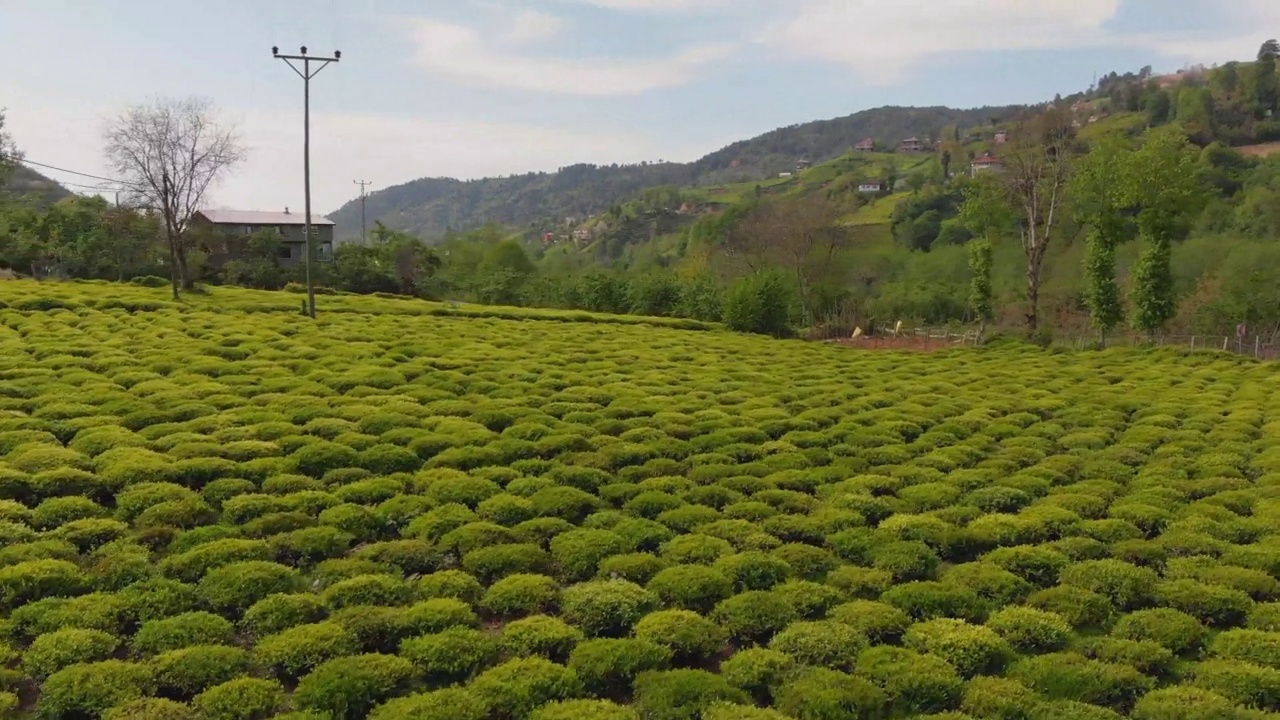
(405, 511)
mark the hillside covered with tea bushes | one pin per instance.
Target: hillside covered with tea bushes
(221, 509)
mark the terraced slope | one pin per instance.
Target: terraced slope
(225, 510)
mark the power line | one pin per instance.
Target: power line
(25, 161)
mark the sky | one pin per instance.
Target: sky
(475, 88)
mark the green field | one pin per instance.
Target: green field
(220, 509)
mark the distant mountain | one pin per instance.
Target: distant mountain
(23, 181)
(432, 206)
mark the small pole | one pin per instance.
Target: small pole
(1193, 342)
(1257, 345)
(364, 241)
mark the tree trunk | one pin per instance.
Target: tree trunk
(184, 270)
(173, 267)
(1033, 296)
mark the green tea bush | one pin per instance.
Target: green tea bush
(54, 651)
(1175, 630)
(682, 694)
(542, 636)
(584, 710)
(151, 709)
(453, 655)
(348, 687)
(607, 608)
(241, 699)
(447, 704)
(754, 616)
(914, 683)
(1028, 630)
(293, 652)
(608, 667)
(521, 594)
(1069, 676)
(514, 689)
(693, 587)
(191, 670)
(90, 689)
(691, 637)
(184, 630)
(233, 588)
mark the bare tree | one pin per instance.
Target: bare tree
(1027, 195)
(170, 152)
(9, 155)
(801, 237)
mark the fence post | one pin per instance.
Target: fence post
(1193, 342)
(1225, 340)
(1257, 345)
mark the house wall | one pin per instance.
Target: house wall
(293, 250)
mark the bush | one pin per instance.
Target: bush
(754, 616)
(691, 637)
(32, 580)
(514, 689)
(760, 303)
(692, 587)
(89, 689)
(233, 588)
(1144, 656)
(1187, 703)
(521, 594)
(757, 671)
(151, 709)
(1212, 604)
(970, 649)
(815, 693)
(447, 704)
(682, 694)
(578, 552)
(1241, 682)
(190, 670)
(451, 584)
(1173, 629)
(1081, 608)
(809, 600)
(490, 564)
(241, 699)
(914, 683)
(991, 697)
(1028, 630)
(1125, 584)
(180, 631)
(369, 590)
(607, 608)
(349, 687)
(825, 643)
(753, 570)
(584, 710)
(1069, 676)
(634, 567)
(730, 711)
(928, 600)
(607, 668)
(439, 614)
(295, 651)
(453, 655)
(54, 651)
(540, 635)
(276, 613)
(1255, 646)
(905, 560)
(880, 623)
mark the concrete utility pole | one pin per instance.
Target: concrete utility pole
(306, 73)
(363, 239)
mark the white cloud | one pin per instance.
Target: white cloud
(461, 52)
(883, 43)
(530, 27)
(385, 150)
(658, 5)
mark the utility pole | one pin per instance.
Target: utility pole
(306, 73)
(364, 241)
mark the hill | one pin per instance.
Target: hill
(23, 181)
(430, 207)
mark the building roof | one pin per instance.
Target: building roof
(987, 159)
(256, 217)
(866, 143)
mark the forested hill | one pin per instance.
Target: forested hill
(429, 207)
(22, 181)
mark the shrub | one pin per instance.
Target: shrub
(730, 711)
(151, 709)
(761, 303)
(1037, 564)
(584, 710)
(682, 694)
(880, 623)
(453, 655)
(691, 637)
(757, 671)
(241, 699)
(914, 683)
(1173, 629)
(1081, 608)
(54, 651)
(1186, 703)
(607, 608)
(824, 693)
(634, 567)
(1069, 676)
(753, 570)
(32, 580)
(276, 613)
(450, 584)
(928, 600)
(1028, 630)
(514, 689)
(1241, 682)
(438, 614)
(754, 616)
(540, 635)
(521, 594)
(369, 590)
(1212, 604)
(905, 560)
(492, 563)
(823, 644)
(89, 689)
(180, 631)
(970, 649)
(992, 697)
(1255, 646)
(233, 588)
(295, 651)
(447, 704)
(1146, 657)
(608, 667)
(578, 552)
(860, 582)
(348, 687)
(693, 587)
(1125, 584)
(190, 670)
(319, 457)
(809, 600)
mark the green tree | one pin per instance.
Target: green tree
(1100, 188)
(1162, 185)
(980, 293)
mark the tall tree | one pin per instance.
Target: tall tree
(170, 152)
(1099, 188)
(803, 238)
(980, 291)
(9, 155)
(1028, 195)
(1163, 186)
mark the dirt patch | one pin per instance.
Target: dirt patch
(904, 344)
(1261, 150)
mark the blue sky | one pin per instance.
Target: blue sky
(470, 88)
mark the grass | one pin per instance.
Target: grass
(220, 508)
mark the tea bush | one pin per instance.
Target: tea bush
(226, 510)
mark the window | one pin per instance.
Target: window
(247, 230)
(284, 252)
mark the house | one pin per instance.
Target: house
(784, 174)
(803, 165)
(583, 236)
(912, 144)
(1002, 137)
(235, 227)
(985, 163)
(871, 187)
(868, 145)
